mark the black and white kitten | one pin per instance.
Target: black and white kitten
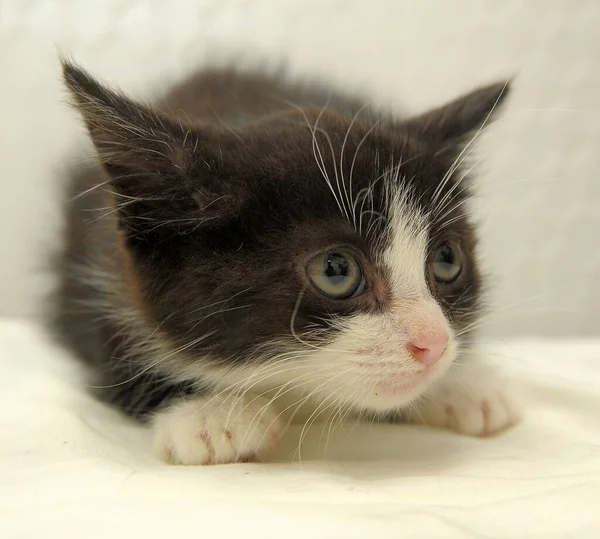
(247, 246)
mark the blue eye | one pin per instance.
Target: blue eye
(336, 274)
(447, 262)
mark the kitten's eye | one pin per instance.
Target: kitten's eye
(336, 274)
(447, 262)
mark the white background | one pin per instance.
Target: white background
(539, 177)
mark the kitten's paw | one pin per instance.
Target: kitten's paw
(469, 409)
(216, 430)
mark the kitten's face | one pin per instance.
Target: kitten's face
(337, 261)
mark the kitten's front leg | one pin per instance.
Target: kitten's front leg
(472, 399)
(216, 430)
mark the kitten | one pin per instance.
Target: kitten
(247, 246)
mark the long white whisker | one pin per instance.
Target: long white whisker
(156, 363)
(316, 149)
(349, 191)
(356, 151)
(312, 418)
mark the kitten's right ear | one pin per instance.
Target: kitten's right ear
(450, 124)
(148, 156)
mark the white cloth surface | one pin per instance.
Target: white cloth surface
(70, 467)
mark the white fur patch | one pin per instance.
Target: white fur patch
(405, 256)
(216, 430)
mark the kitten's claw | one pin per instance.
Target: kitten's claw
(216, 430)
(472, 410)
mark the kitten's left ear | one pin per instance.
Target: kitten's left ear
(167, 173)
(451, 123)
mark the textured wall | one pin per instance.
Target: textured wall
(539, 190)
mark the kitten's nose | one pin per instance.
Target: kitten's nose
(428, 349)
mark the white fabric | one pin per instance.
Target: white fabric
(69, 467)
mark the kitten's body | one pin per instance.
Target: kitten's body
(180, 282)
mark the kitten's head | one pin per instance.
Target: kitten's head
(316, 250)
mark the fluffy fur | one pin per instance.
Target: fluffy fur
(183, 281)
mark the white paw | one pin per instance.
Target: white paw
(216, 430)
(469, 408)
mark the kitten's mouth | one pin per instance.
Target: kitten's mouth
(408, 384)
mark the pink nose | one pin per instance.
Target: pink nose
(428, 349)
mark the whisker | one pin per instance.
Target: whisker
(316, 149)
(356, 151)
(349, 191)
(466, 150)
(156, 363)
